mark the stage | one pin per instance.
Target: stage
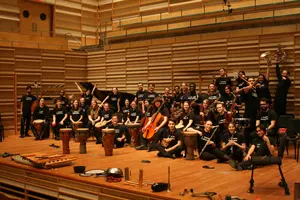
(63, 183)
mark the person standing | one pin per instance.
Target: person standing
(26, 102)
(140, 97)
(60, 116)
(222, 81)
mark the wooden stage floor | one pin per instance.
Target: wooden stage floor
(184, 174)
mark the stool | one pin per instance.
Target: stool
(269, 160)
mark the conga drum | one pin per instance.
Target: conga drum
(65, 135)
(76, 125)
(190, 140)
(108, 137)
(38, 125)
(133, 129)
(82, 135)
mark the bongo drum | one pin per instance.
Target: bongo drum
(76, 125)
(179, 127)
(65, 135)
(190, 140)
(82, 135)
(133, 129)
(38, 125)
(108, 140)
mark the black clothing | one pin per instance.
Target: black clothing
(140, 96)
(261, 148)
(60, 113)
(228, 101)
(168, 101)
(113, 102)
(192, 96)
(88, 98)
(221, 82)
(184, 96)
(211, 97)
(263, 90)
(281, 93)
(177, 100)
(251, 105)
(27, 101)
(164, 111)
(234, 151)
(106, 115)
(125, 112)
(150, 96)
(84, 110)
(41, 113)
(44, 131)
(119, 132)
(76, 114)
(94, 113)
(133, 114)
(265, 119)
(186, 117)
(64, 101)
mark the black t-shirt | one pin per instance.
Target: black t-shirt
(221, 82)
(76, 114)
(283, 85)
(148, 111)
(251, 101)
(106, 114)
(60, 113)
(222, 121)
(125, 111)
(228, 100)
(241, 83)
(192, 96)
(133, 114)
(261, 148)
(27, 101)
(202, 141)
(237, 137)
(263, 90)
(169, 100)
(177, 99)
(176, 136)
(150, 96)
(211, 97)
(113, 100)
(94, 113)
(119, 130)
(41, 113)
(64, 101)
(265, 118)
(164, 111)
(186, 117)
(88, 98)
(184, 96)
(140, 96)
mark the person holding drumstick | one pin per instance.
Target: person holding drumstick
(88, 94)
(41, 112)
(120, 135)
(94, 114)
(75, 114)
(60, 116)
(114, 100)
(170, 145)
(106, 114)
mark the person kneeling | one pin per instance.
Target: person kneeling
(170, 145)
(119, 132)
(261, 146)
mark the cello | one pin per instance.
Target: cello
(156, 118)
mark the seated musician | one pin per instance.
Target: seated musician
(84, 109)
(212, 94)
(150, 126)
(125, 111)
(266, 118)
(230, 101)
(207, 146)
(75, 114)
(94, 114)
(176, 98)
(120, 135)
(170, 144)
(233, 144)
(168, 98)
(222, 118)
(106, 115)
(187, 118)
(206, 111)
(60, 116)
(64, 100)
(41, 112)
(262, 145)
(184, 94)
(140, 97)
(151, 94)
(134, 114)
(192, 95)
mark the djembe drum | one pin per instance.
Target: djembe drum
(99, 127)
(38, 125)
(190, 140)
(108, 140)
(133, 129)
(76, 125)
(65, 135)
(179, 127)
(82, 135)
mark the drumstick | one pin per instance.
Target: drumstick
(212, 135)
(103, 101)
(78, 87)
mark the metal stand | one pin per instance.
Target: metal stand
(140, 182)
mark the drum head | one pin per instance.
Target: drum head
(38, 121)
(82, 129)
(95, 172)
(108, 130)
(65, 129)
(133, 125)
(99, 125)
(189, 133)
(179, 126)
(77, 123)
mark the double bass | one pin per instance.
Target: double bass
(156, 118)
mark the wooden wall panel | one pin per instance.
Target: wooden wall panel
(9, 16)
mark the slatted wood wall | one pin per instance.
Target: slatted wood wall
(53, 70)
(196, 58)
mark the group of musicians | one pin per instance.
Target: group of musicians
(211, 115)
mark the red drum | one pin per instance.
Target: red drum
(133, 129)
(65, 135)
(108, 138)
(82, 135)
(190, 140)
(76, 125)
(38, 125)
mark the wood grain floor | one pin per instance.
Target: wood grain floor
(184, 174)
